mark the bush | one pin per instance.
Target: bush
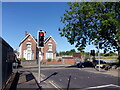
(22, 59)
(59, 60)
(49, 60)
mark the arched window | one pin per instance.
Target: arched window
(49, 47)
(28, 46)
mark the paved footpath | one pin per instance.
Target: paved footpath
(25, 79)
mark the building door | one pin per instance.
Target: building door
(28, 56)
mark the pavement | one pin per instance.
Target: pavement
(25, 79)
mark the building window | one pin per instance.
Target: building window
(49, 47)
(28, 46)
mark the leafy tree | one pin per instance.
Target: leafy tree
(67, 52)
(92, 23)
(57, 54)
(72, 51)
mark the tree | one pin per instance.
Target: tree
(92, 23)
(67, 52)
(72, 51)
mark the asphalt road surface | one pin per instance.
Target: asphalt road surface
(80, 79)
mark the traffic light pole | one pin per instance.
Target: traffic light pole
(40, 46)
(39, 59)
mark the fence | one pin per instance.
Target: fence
(6, 59)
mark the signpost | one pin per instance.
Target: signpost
(40, 46)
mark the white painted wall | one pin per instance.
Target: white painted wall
(20, 50)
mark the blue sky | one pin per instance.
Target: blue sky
(28, 16)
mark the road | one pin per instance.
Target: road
(80, 79)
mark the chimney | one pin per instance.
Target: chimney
(26, 33)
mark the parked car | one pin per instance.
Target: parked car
(85, 64)
(96, 63)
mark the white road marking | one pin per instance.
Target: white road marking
(103, 86)
(75, 78)
(56, 86)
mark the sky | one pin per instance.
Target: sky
(18, 17)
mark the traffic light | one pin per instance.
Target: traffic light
(92, 52)
(41, 39)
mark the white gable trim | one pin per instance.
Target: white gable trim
(49, 38)
(33, 38)
(27, 37)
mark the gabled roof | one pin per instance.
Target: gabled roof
(26, 38)
(49, 38)
(46, 40)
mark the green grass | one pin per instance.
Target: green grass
(108, 57)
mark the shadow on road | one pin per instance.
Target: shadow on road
(55, 73)
(15, 81)
(29, 77)
(71, 66)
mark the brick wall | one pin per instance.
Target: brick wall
(69, 61)
(53, 62)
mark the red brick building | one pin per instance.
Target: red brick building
(29, 50)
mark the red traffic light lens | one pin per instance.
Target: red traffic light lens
(41, 34)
